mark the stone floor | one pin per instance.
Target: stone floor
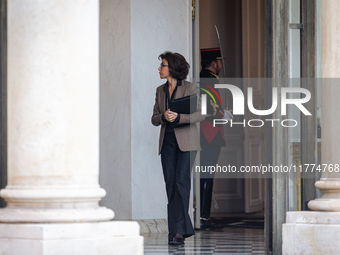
(226, 241)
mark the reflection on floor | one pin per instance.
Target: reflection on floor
(240, 222)
(226, 241)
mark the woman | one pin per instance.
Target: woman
(178, 143)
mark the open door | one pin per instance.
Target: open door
(253, 38)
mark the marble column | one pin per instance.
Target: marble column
(315, 232)
(53, 135)
(53, 113)
(329, 183)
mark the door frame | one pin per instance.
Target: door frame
(195, 74)
(3, 97)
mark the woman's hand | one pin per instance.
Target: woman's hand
(170, 116)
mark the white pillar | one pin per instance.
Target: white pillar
(53, 113)
(329, 183)
(53, 135)
(315, 232)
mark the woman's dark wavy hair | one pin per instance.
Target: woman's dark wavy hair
(178, 66)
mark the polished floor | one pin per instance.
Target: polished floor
(226, 241)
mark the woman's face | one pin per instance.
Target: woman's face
(164, 69)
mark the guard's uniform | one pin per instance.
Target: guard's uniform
(213, 135)
(212, 138)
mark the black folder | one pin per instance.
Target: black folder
(185, 105)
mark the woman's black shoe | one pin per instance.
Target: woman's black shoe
(176, 241)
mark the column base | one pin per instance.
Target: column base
(330, 199)
(327, 205)
(28, 215)
(311, 233)
(102, 238)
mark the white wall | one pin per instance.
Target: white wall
(115, 102)
(132, 35)
(156, 26)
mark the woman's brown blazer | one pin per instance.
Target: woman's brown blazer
(187, 136)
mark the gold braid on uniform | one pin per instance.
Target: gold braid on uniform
(214, 75)
(215, 106)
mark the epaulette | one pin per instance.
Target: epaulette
(214, 75)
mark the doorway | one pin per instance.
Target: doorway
(240, 25)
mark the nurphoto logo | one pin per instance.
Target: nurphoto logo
(238, 105)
